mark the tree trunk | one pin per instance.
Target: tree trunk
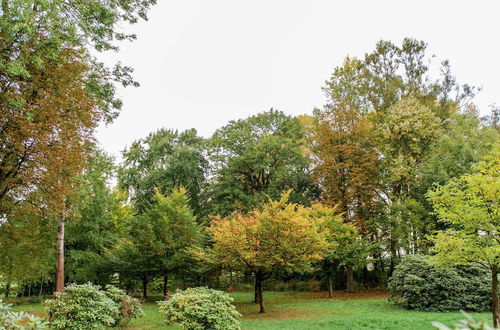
(350, 279)
(145, 287)
(494, 295)
(166, 295)
(393, 258)
(41, 287)
(330, 284)
(7, 289)
(60, 252)
(258, 291)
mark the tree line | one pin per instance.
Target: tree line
(342, 193)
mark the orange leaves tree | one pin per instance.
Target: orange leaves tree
(46, 122)
(280, 238)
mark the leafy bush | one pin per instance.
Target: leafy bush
(85, 306)
(468, 324)
(201, 308)
(130, 308)
(18, 320)
(417, 283)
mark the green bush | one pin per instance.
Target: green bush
(85, 306)
(419, 284)
(18, 320)
(201, 308)
(130, 308)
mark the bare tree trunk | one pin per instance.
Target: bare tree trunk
(350, 279)
(60, 252)
(258, 290)
(393, 257)
(330, 284)
(166, 295)
(145, 287)
(494, 295)
(41, 287)
(7, 289)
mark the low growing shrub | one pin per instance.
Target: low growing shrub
(417, 283)
(18, 320)
(468, 324)
(85, 306)
(129, 307)
(201, 309)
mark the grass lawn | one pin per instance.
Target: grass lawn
(290, 310)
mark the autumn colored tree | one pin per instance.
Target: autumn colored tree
(281, 238)
(470, 207)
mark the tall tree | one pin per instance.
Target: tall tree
(96, 223)
(470, 207)
(160, 239)
(164, 160)
(281, 238)
(43, 54)
(257, 158)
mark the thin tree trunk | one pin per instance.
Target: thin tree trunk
(166, 295)
(41, 287)
(330, 284)
(258, 288)
(7, 289)
(256, 292)
(350, 279)
(393, 258)
(60, 252)
(145, 287)
(494, 295)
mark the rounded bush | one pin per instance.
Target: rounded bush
(417, 283)
(85, 306)
(201, 308)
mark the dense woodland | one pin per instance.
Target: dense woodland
(397, 161)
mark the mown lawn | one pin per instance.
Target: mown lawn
(369, 310)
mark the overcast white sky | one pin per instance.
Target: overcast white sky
(203, 63)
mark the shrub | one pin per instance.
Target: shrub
(18, 320)
(417, 283)
(85, 306)
(468, 324)
(130, 308)
(201, 308)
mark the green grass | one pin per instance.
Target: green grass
(313, 311)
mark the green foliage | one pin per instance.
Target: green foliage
(164, 160)
(470, 206)
(130, 308)
(18, 320)
(256, 159)
(85, 306)
(157, 242)
(96, 223)
(417, 283)
(201, 309)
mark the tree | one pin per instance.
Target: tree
(346, 247)
(281, 238)
(159, 240)
(469, 205)
(26, 247)
(256, 159)
(96, 223)
(164, 160)
(53, 93)
(46, 70)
